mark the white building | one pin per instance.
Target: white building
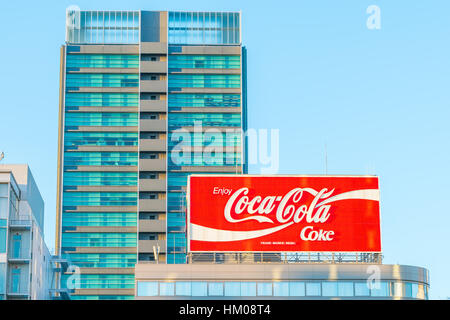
(25, 261)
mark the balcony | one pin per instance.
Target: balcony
(21, 257)
(23, 224)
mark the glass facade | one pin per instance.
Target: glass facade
(205, 90)
(296, 289)
(94, 208)
(183, 100)
(209, 62)
(98, 99)
(204, 28)
(102, 27)
(204, 81)
(76, 80)
(100, 158)
(74, 62)
(100, 142)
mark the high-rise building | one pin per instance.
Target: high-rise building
(146, 98)
(25, 262)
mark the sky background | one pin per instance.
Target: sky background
(378, 99)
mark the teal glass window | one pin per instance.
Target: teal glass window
(248, 289)
(199, 289)
(362, 289)
(99, 199)
(147, 288)
(296, 289)
(182, 288)
(204, 81)
(93, 178)
(102, 260)
(281, 289)
(232, 289)
(103, 27)
(104, 219)
(265, 289)
(166, 288)
(345, 289)
(204, 159)
(2, 279)
(380, 289)
(101, 139)
(178, 100)
(222, 139)
(3, 232)
(100, 119)
(75, 80)
(15, 280)
(101, 158)
(75, 239)
(215, 289)
(177, 120)
(313, 289)
(330, 288)
(102, 61)
(209, 61)
(103, 281)
(81, 99)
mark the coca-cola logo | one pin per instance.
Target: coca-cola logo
(293, 207)
(258, 208)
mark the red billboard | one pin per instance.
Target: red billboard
(248, 213)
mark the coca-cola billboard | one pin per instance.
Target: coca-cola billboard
(247, 213)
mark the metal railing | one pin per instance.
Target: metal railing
(20, 223)
(285, 257)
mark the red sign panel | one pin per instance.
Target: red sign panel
(246, 213)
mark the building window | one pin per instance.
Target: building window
(183, 288)
(281, 289)
(147, 289)
(17, 239)
(313, 289)
(148, 175)
(248, 289)
(232, 289)
(362, 289)
(148, 115)
(199, 289)
(148, 195)
(166, 288)
(15, 280)
(148, 236)
(149, 135)
(146, 257)
(148, 155)
(215, 289)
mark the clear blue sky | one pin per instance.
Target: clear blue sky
(379, 99)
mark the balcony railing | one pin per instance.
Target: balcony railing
(286, 257)
(20, 223)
